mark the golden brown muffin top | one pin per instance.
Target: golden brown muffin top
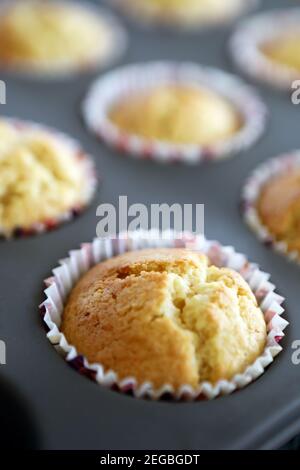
(165, 316)
(284, 50)
(51, 34)
(279, 208)
(177, 114)
(40, 177)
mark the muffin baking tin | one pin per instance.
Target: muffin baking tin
(68, 411)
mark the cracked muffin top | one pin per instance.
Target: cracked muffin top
(177, 114)
(284, 50)
(41, 177)
(188, 11)
(51, 35)
(165, 316)
(279, 208)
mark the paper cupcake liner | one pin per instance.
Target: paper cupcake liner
(34, 69)
(142, 16)
(80, 261)
(250, 34)
(251, 192)
(112, 87)
(87, 193)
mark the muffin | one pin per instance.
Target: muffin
(174, 112)
(177, 114)
(284, 50)
(44, 177)
(266, 47)
(53, 36)
(188, 12)
(278, 207)
(165, 316)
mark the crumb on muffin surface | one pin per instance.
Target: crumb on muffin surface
(284, 50)
(177, 114)
(165, 316)
(279, 208)
(51, 34)
(40, 177)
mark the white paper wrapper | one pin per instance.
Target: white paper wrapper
(79, 261)
(133, 9)
(112, 87)
(117, 44)
(84, 198)
(252, 33)
(251, 192)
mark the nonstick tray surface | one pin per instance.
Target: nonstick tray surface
(68, 411)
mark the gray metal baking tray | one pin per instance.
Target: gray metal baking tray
(66, 410)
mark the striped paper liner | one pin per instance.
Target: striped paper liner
(112, 87)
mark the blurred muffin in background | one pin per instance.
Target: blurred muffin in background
(279, 208)
(184, 12)
(165, 316)
(284, 49)
(54, 36)
(43, 178)
(267, 46)
(177, 114)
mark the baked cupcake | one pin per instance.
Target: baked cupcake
(165, 316)
(45, 178)
(177, 114)
(267, 47)
(284, 50)
(278, 207)
(173, 111)
(271, 204)
(188, 13)
(56, 37)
